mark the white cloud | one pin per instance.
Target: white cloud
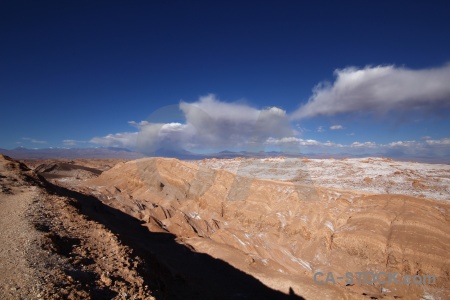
(69, 142)
(300, 130)
(219, 124)
(379, 89)
(301, 143)
(428, 148)
(210, 124)
(336, 127)
(441, 142)
(73, 142)
(34, 141)
(154, 136)
(402, 144)
(138, 124)
(363, 145)
(320, 129)
(124, 139)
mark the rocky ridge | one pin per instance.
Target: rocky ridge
(283, 232)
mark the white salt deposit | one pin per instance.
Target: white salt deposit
(372, 175)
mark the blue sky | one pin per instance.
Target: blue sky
(99, 73)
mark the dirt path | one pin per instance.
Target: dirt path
(49, 250)
(16, 242)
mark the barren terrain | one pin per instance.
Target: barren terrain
(51, 249)
(222, 229)
(372, 175)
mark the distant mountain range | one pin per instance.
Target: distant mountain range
(70, 153)
(113, 152)
(123, 153)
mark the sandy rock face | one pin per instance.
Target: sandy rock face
(283, 232)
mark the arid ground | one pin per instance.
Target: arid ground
(221, 228)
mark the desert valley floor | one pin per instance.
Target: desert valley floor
(242, 228)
